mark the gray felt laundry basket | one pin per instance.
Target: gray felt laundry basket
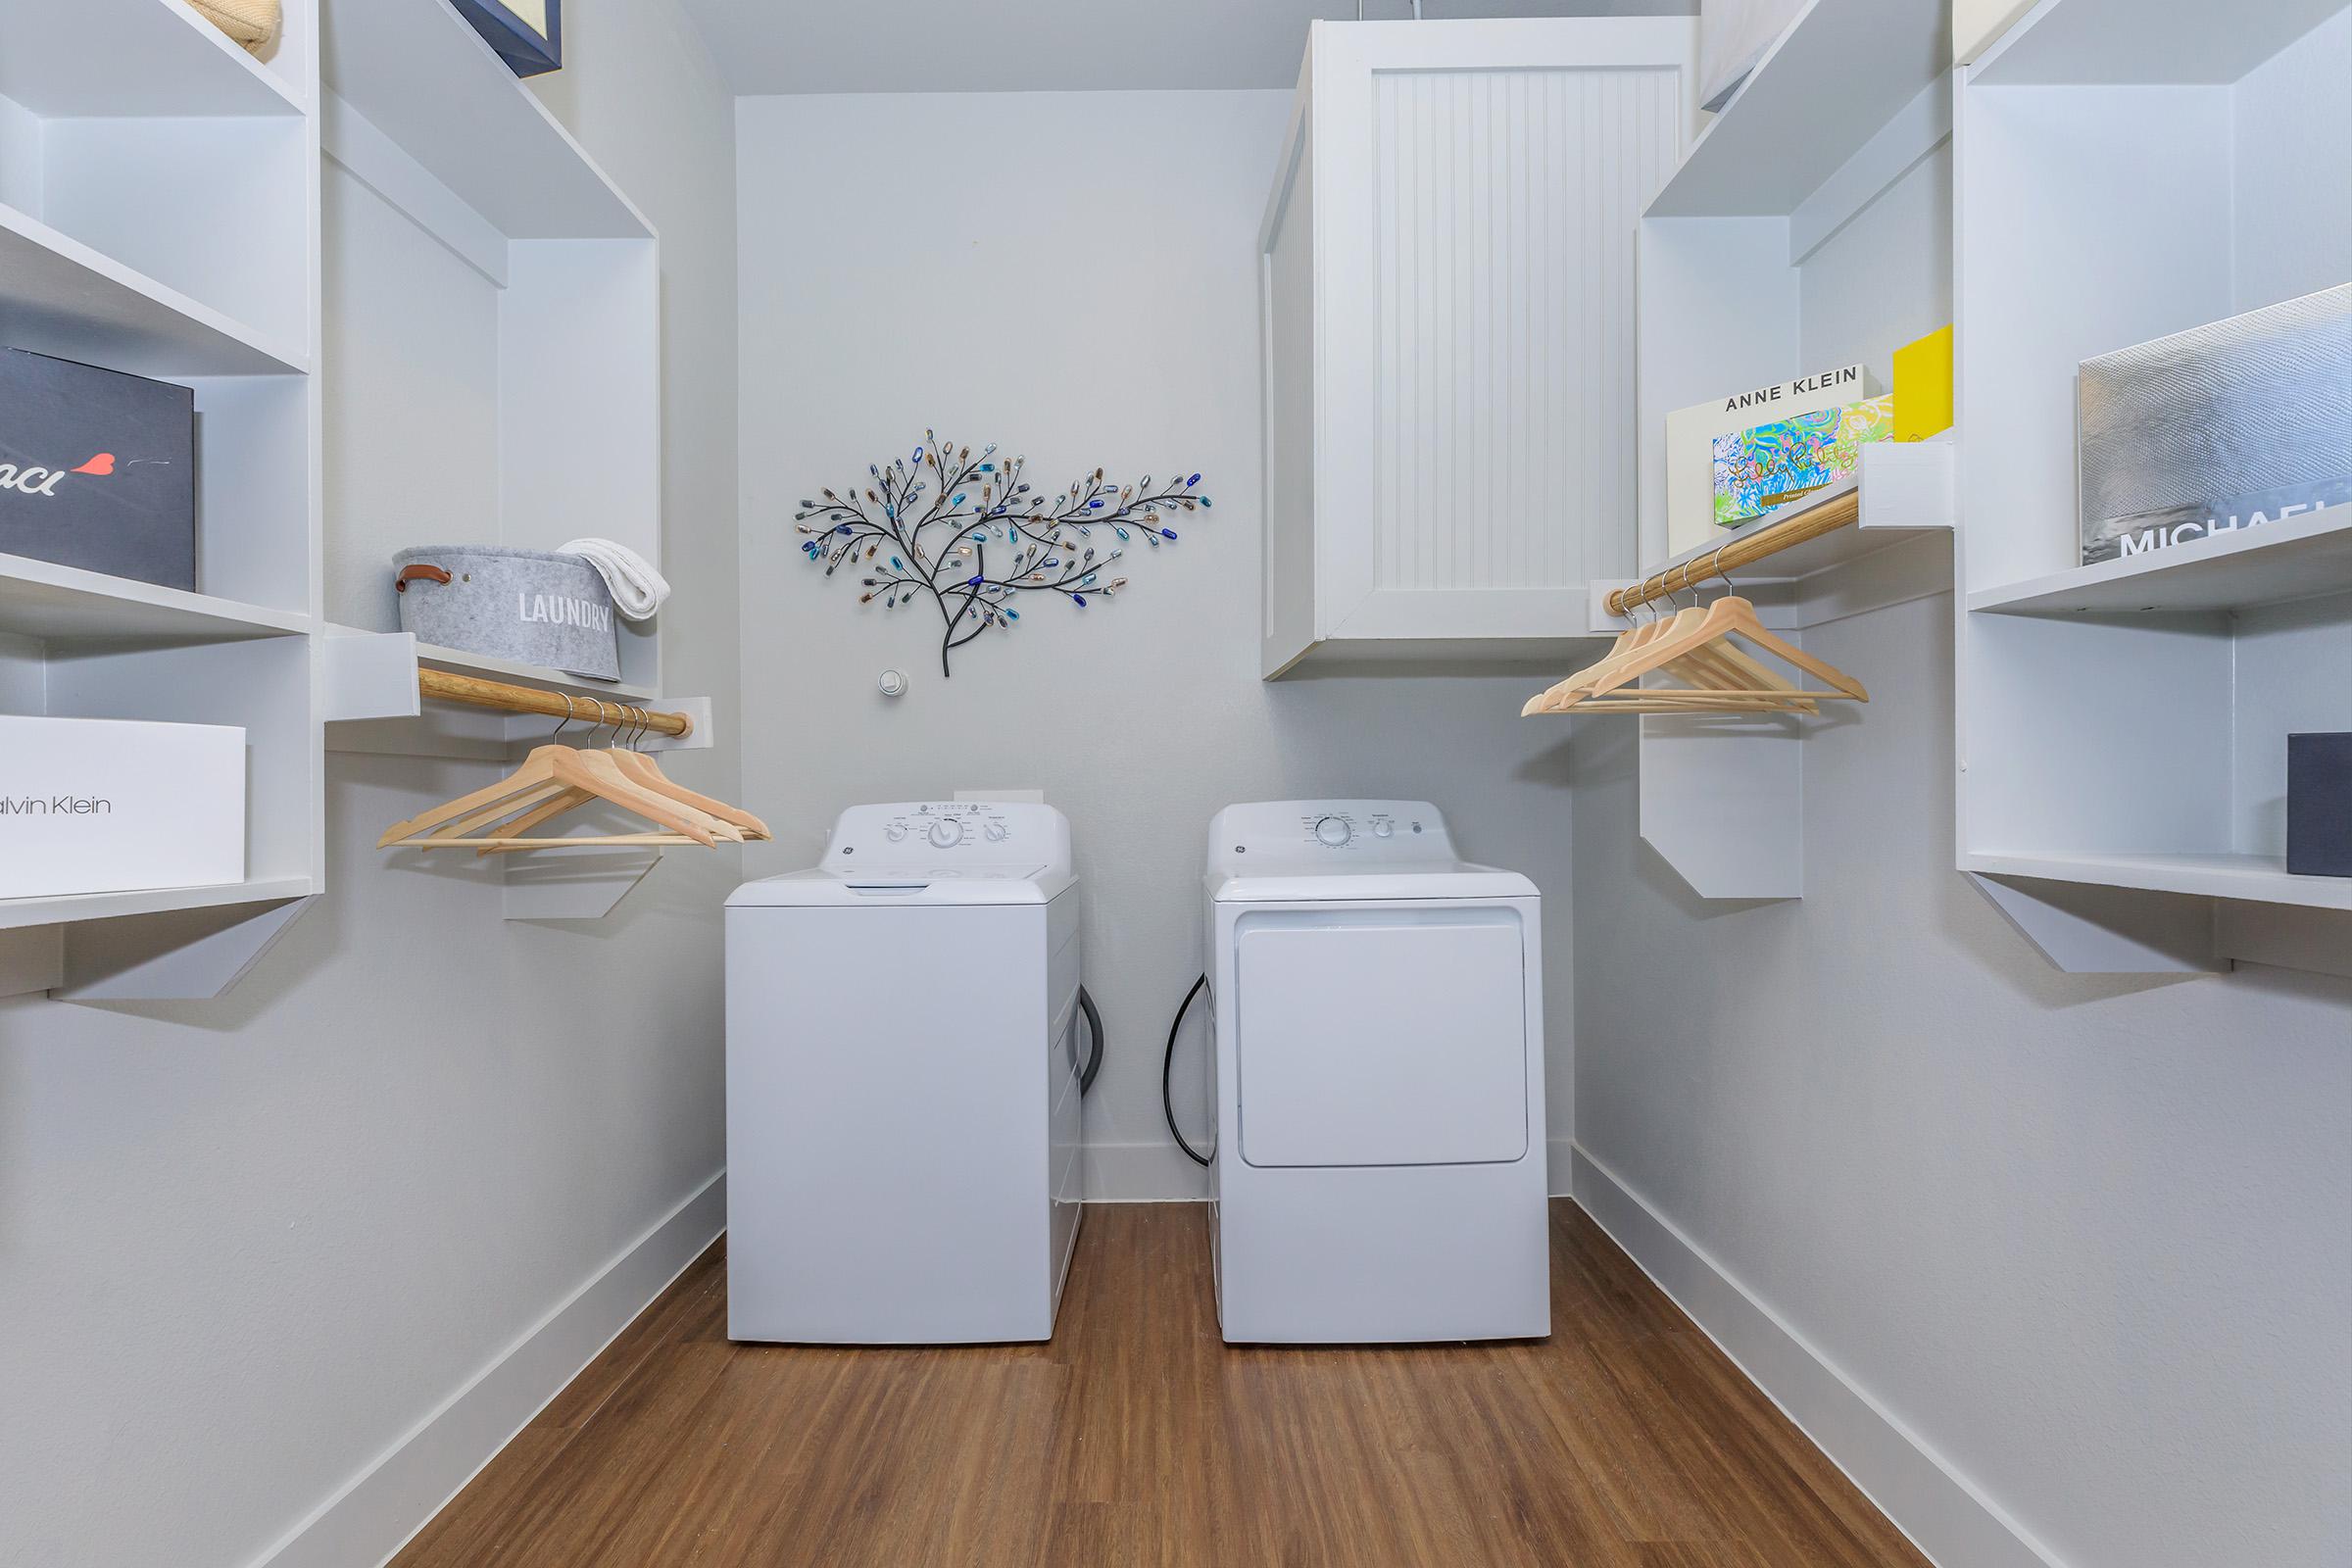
(527, 605)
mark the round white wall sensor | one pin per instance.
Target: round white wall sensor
(894, 683)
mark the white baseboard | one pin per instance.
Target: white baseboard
(1560, 1172)
(392, 1498)
(1941, 1511)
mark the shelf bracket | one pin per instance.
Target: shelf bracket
(2089, 929)
(177, 956)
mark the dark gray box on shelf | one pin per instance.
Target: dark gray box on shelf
(2319, 804)
(2230, 425)
(97, 469)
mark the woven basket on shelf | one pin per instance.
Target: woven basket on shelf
(252, 23)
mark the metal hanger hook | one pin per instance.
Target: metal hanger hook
(566, 724)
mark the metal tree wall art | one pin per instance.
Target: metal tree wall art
(966, 534)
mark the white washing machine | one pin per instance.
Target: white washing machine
(1379, 1173)
(904, 1155)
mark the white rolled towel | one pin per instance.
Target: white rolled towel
(638, 589)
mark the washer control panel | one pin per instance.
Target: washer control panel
(949, 834)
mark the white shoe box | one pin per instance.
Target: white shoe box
(106, 805)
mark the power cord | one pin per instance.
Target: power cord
(1167, 1072)
(1093, 1029)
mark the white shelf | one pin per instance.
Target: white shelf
(419, 75)
(41, 600)
(158, 59)
(65, 908)
(1906, 492)
(2302, 558)
(1839, 74)
(2144, 42)
(59, 296)
(2259, 878)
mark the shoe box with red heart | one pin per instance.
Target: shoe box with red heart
(97, 469)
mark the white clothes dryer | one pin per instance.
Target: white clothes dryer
(1378, 1076)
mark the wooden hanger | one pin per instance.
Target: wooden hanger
(1719, 677)
(639, 769)
(1705, 664)
(556, 778)
(528, 789)
(1732, 616)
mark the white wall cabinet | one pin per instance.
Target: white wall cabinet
(1447, 288)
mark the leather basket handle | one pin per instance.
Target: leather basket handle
(417, 573)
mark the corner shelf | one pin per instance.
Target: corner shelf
(2302, 558)
(41, 600)
(1841, 70)
(60, 296)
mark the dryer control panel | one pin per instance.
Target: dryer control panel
(949, 834)
(1382, 832)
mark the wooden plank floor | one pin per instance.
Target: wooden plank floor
(1136, 1437)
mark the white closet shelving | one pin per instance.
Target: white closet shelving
(493, 325)
(449, 335)
(158, 215)
(1805, 229)
(2126, 171)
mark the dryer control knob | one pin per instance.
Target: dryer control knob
(1383, 828)
(947, 832)
(994, 832)
(1334, 831)
(894, 832)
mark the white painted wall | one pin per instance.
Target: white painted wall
(2085, 1235)
(1070, 275)
(247, 1246)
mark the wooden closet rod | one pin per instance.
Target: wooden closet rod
(1839, 511)
(475, 692)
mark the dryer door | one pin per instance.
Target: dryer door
(1382, 1036)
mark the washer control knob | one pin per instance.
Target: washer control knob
(994, 832)
(1383, 828)
(947, 832)
(1334, 831)
(894, 832)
